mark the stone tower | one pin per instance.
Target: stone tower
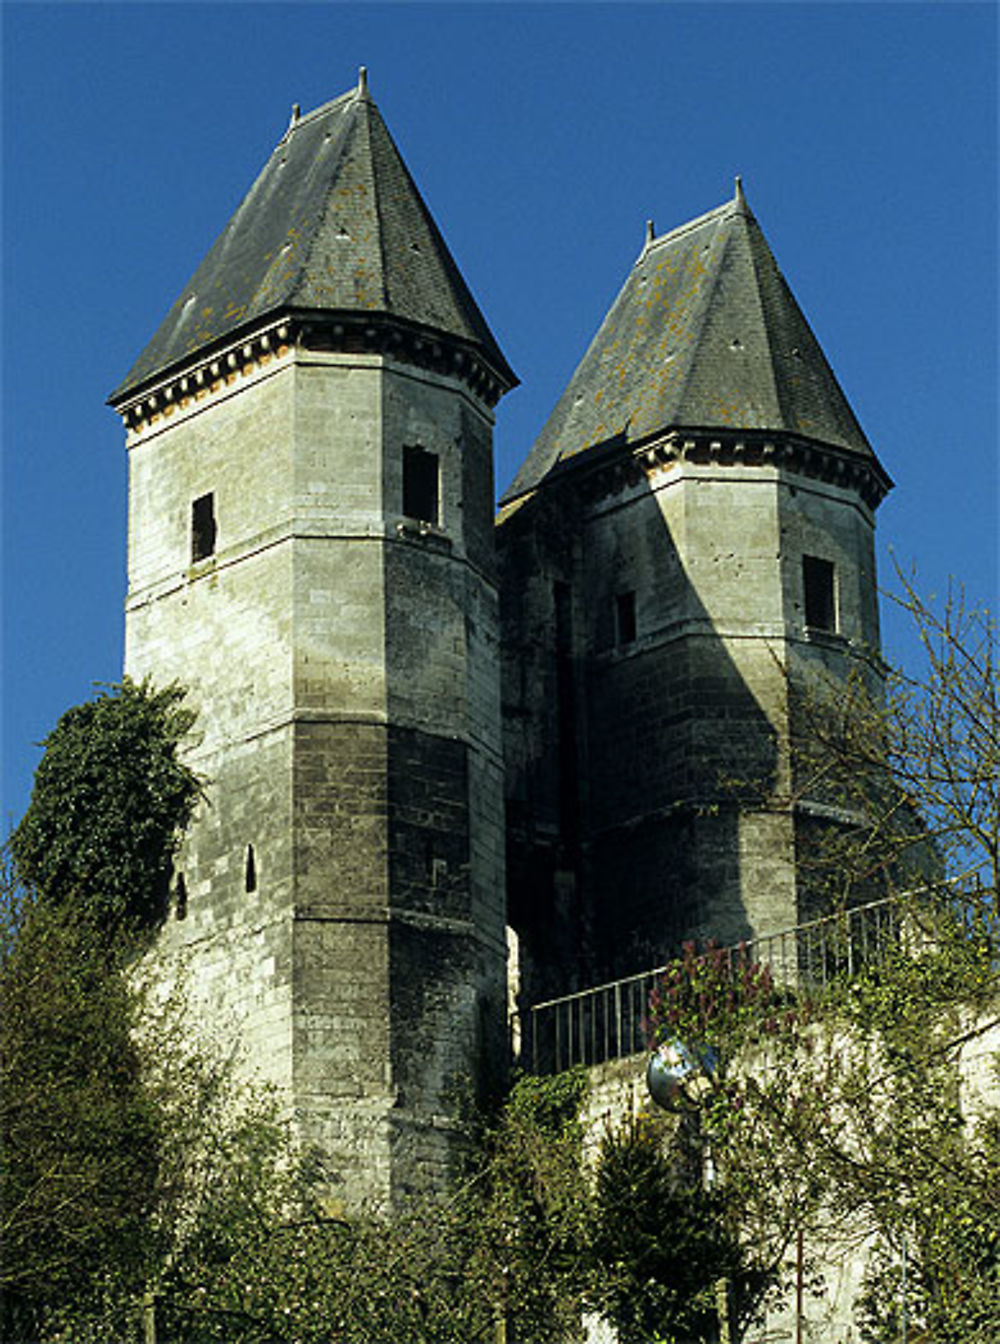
(692, 528)
(311, 553)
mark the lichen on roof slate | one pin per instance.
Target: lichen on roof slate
(335, 223)
(704, 334)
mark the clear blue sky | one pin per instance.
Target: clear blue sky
(542, 137)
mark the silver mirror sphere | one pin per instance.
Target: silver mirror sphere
(678, 1075)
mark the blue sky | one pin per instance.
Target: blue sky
(542, 138)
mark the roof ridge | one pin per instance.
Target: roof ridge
(360, 96)
(673, 234)
(781, 397)
(722, 240)
(298, 121)
(365, 101)
(755, 244)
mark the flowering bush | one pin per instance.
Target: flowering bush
(718, 1000)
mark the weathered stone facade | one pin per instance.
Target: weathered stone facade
(343, 665)
(311, 553)
(668, 578)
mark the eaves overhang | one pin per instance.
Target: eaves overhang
(617, 463)
(346, 331)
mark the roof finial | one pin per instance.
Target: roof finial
(650, 232)
(296, 113)
(362, 81)
(740, 199)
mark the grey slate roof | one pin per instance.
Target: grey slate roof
(705, 334)
(335, 223)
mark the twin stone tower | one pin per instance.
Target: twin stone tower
(440, 743)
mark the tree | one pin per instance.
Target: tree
(661, 1242)
(110, 801)
(84, 1133)
(81, 1134)
(837, 1110)
(526, 1197)
(134, 1165)
(131, 1162)
(260, 1260)
(908, 764)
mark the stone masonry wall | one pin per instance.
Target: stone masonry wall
(342, 662)
(214, 627)
(679, 767)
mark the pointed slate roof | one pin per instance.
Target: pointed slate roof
(333, 223)
(705, 334)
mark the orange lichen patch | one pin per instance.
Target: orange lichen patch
(728, 412)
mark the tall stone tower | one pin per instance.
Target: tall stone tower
(691, 530)
(311, 553)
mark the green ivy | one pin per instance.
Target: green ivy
(111, 798)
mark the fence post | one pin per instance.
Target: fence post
(722, 1308)
(149, 1317)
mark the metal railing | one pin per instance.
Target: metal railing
(608, 1021)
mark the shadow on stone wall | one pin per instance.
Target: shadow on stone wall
(631, 755)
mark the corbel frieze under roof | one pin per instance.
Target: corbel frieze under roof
(258, 353)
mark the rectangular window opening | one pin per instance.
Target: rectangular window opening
(202, 528)
(625, 629)
(421, 485)
(819, 593)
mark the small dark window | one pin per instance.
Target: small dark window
(202, 528)
(421, 485)
(251, 870)
(819, 596)
(625, 618)
(181, 907)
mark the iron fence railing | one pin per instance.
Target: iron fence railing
(608, 1021)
